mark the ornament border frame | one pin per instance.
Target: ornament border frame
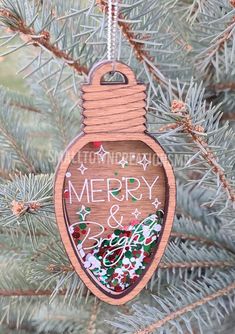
(170, 203)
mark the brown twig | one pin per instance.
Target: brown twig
(21, 106)
(163, 265)
(28, 293)
(196, 264)
(185, 236)
(174, 315)
(29, 34)
(54, 268)
(36, 293)
(4, 174)
(223, 86)
(14, 326)
(209, 157)
(195, 131)
(229, 116)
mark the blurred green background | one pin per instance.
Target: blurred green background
(9, 65)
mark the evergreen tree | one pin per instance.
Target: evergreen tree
(185, 51)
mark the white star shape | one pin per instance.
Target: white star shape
(136, 213)
(102, 153)
(83, 212)
(123, 162)
(144, 162)
(156, 203)
(82, 169)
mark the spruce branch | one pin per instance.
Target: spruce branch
(16, 24)
(202, 240)
(24, 107)
(207, 59)
(189, 308)
(53, 268)
(43, 250)
(18, 153)
(191, 130)
(17, 148)
(28, 293)
(60, 113)
(197, 133)
(162, 265)
(194, 217)
(60, 121)
(191, 258)
(18, 101)
(195, 9)
(180, 256)
(197, 264)
(26, 196)
(91, 326)
(12, 329)
(210, 143)
(20, 208)
(182, 307)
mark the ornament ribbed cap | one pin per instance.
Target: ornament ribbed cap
(113, 107)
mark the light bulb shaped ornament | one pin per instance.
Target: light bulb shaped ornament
(114, 190)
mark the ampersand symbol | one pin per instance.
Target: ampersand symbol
(113, 211)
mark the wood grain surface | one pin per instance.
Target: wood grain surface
(114, 120)
(113, 106)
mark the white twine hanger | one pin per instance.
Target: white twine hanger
(112, 30)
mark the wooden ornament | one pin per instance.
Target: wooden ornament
(114, 190)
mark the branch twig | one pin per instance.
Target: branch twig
(223, 86)
(43, 40)
(21, 154)
(174, 315)
(162, 265)
(23, 107)
(208, 242)
(196, 264)
(179, 108)
(218, 47)
(28, 293)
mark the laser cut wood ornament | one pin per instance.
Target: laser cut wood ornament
(114, 190)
